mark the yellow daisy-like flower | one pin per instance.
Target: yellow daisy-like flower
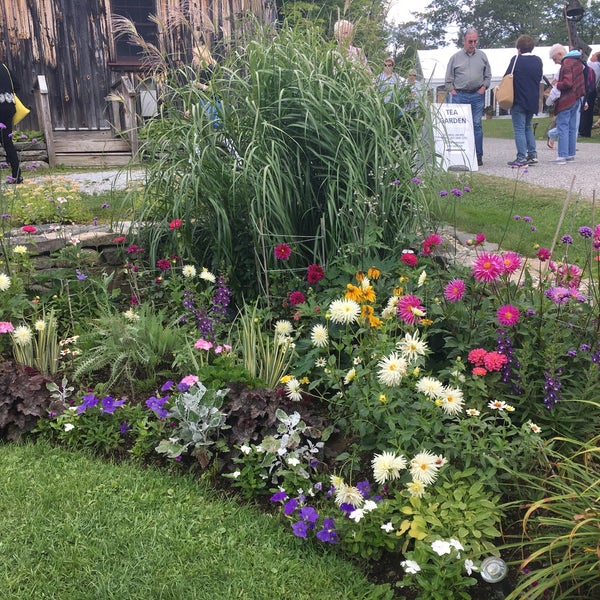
(416, 488)
(304, 380)
(39, 325)
(426, 322)
(359, 275)
(373, 273)
(383, 398)
(20, 250)
(286, 378)
(353, 292)
(392, 369)
(398, 291)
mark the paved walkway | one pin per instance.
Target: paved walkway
(585, 169)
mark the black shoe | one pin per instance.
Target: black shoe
(13, 181)
(480, 162)
(531, 160)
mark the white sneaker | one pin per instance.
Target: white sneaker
(560, 160)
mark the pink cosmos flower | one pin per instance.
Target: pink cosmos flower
(487, 267)
(314, 273)
(408, 306)
(431, 243)
(296, 298)
(476, 356)
(282, 252)
(6, 327)
(508, 315)
(543, 254)
(494, 361)
(454, 290)
(512, 262)
(203, 344)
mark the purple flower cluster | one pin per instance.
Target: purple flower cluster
(510, 370)
(562, 295)
(221, 299)
(158, 406)
(552, 387)
(108, 404)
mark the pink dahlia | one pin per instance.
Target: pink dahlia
(543, 254)
(314, 273)
(494, 361)
(508, 315)
(431, 243)
(409, 258)
(512, 262)
(164, 264)
(454, 290)
(479, 239)
(408, 306)
(487, 267)
(296, 298)
(282, 252)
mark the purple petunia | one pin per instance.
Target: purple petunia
(290, 507)
(89, 401)
(109, 404)
(300, 528)
(157, 405)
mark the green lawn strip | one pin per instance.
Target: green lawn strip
(493, 202)
(501, 128)
(76, 528)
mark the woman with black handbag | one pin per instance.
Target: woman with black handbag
(8, 87)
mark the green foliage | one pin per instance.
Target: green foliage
(560, 543)
(306, 150)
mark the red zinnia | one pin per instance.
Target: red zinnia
(296, 298)
(28, 229)
(175, 224)
(315, 273)
(487, 267)
(282, 252)
(164, 264)
(409, 258)
(119, 240)
(508, 315)
(407, 305)
(454, 290)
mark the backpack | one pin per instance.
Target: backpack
(590, 80)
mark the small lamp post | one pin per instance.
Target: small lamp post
(494, 571)
(573, 12)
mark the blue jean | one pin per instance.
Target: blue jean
(524, 138)
(567, 122)
(476, 101)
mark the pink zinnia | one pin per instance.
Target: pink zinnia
(314, 274)
(476, 356)
(409, 258)
(282, 252)
(512, 262)
(296, 298)
(407, 305)
(508, 315)
(28, 229)
(431, 243)
(487, 267)
(543, 254)
(175, 224)
(479, 239)
(479, 371)
(6, 327)
(203, 344)
(454, 290)
(494, 361)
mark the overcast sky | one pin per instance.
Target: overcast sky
(400, 11)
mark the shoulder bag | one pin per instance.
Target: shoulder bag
(21, 110)
(504, 91)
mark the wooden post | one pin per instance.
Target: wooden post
(42, 105)
(130, 101)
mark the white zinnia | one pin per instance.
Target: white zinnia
(21, 335)
(283, 328)
(344, 312)
(4, 282)
(188, 271)
(39, 325)
(319, 336)
(392, 369)
(387, 466)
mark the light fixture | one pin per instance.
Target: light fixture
(574, 11)
(494, 570)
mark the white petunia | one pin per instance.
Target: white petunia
(293, 461)
(411, 567)
(357, 514)
(245, 449)
(470, 566)
(440, 547)
(69, 426)
(369, 505)
(387, 527)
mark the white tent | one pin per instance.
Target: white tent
(431, 65)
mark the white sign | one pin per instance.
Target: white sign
(453, 137)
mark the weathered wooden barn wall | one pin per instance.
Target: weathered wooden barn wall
(71, 42)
